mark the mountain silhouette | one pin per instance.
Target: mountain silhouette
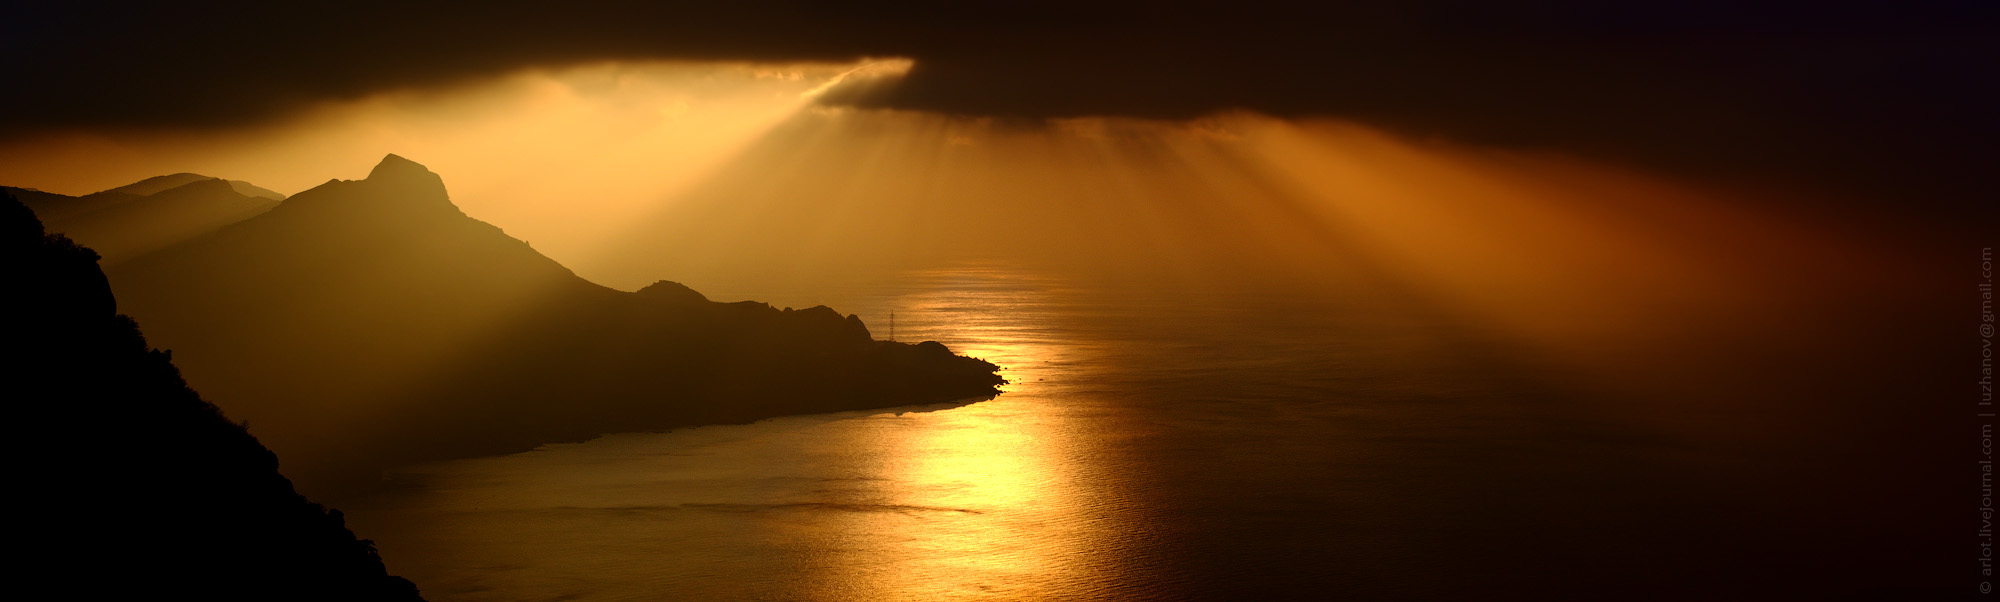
(127, 484)
(370, 323)
(130, 220)
(157, 184)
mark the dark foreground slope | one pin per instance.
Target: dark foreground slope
(363, 324)
(131, 220)
(128, 485)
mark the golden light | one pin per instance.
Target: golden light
(729, 177)
(551, 154)
(1575, 259)
(985, 483)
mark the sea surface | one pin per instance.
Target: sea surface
(1200, 445)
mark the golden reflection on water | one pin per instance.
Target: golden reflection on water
(1007, 499)
(1008, 470)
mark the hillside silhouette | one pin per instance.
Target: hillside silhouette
(365, 324)
(129, 485)
(131, 220)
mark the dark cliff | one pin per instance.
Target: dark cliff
(131, 486)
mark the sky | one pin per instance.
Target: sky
(1875, 96)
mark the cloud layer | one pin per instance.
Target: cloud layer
(1879, 97)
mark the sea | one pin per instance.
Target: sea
(1203, 444)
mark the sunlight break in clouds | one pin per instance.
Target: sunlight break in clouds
(1530, 247)
(872, 69)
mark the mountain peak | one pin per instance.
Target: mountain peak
(394, 166)
(671, 291)
(417, 186)
(397, 188)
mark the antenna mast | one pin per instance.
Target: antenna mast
(892, 325)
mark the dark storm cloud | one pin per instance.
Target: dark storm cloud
(1805, 87)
